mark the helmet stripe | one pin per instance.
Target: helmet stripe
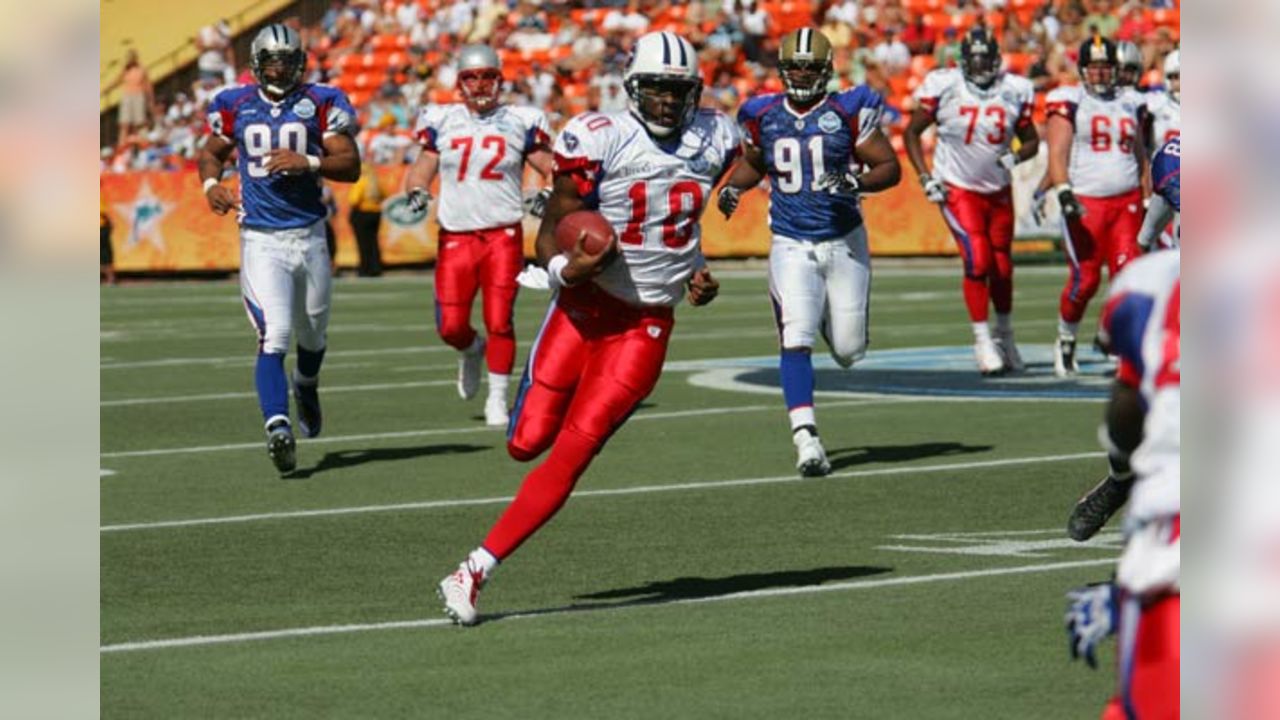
(804, 42)
(666, 49)
(684, 59)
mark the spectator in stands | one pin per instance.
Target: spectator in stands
(137, 97)
(607, 93)
(845, 12)
(839, 32)
(217, 58)
(365, 199)
(891, 54)
(722, 94)
(631, 21)
(947, 52)
(726, 37)
(1134, 25)
(1046, 19)
(588, 48)
(407, 15)
(1102, 20)
(755, 23)
(918, 37)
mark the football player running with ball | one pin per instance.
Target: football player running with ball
(809, 143)
(649, 171)
(288, 135)
(479, 148)
(1096, 162)
(979, 111)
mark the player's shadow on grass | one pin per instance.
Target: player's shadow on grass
(845, 457)
(692, 588)
(338, 459)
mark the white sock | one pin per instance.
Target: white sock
(981, 333)
(498, 385)
(802, 416)
(484, 560)
(1004, 323)
(1067, 330)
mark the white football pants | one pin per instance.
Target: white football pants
(286, 285)
(823, 286)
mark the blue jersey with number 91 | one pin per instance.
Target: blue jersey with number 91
(244, 116)
(799, 148)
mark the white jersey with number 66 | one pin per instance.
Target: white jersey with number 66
(1102, 159)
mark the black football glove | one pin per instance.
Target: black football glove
(1071, 207)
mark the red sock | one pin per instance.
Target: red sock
(500, 353)
(542, 493)
(976, 297)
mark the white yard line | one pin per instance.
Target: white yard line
(247, 359)
(728, 410)
(639, 490)
(235, 395)
(321, 630)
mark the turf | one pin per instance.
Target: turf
(667, 587)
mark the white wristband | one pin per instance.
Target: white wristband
(208, 183)
(313, 161)
(1057, 190)
(555, 266)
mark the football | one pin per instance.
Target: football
(600, 233)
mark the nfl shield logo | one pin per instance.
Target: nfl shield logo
(305, 109)
(829, 122)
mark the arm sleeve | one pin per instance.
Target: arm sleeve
(869, 115)
(220, 119)
(538, 135)
(1062, 101)
(427, 128)
(339, 115)
(1159, 213)
(749, 122)
(580, 150)
(929, 94)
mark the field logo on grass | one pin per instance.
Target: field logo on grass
(1047, 543)
(942, 372)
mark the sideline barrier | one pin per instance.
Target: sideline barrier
(163, 224)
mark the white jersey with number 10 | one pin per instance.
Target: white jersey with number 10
(652, 194)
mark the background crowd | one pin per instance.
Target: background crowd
(393, 57)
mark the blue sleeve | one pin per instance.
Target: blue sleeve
(338, 114)
(749, 117)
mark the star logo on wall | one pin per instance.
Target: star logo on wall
(145, 214)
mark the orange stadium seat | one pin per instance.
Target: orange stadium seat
(1164, 17)
(1018, 62)
(921, 64)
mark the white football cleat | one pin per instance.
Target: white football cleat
(459, 592)
(1064, 357)
(469, 363)
(1009, 352)
(811, 459)
(495, 412)
(988, 357)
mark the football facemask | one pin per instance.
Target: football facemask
(664, 104)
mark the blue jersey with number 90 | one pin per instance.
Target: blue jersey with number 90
(799, 148)
(244, 116)
(1166, 171)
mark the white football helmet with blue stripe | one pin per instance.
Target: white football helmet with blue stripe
(663, 83)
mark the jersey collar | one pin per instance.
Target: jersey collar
(786, 103)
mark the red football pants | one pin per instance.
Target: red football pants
(486, 261)
(982, 225)
(1149, 663)
(594, 360)
(1108, 232)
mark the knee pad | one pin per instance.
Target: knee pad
(521, 454)
(276, 340)
(846, 357)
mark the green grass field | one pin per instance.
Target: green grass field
(692, 574)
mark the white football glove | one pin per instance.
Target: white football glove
(838, 183)
(534, 277)
(1092, 615)
(419, 200)
(728, 200)
(1039, 201)
(536, 204)
(934, 190)
(1007, 160)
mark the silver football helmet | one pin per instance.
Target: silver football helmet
(1129, 58)
(479, 77)
(276, 59)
